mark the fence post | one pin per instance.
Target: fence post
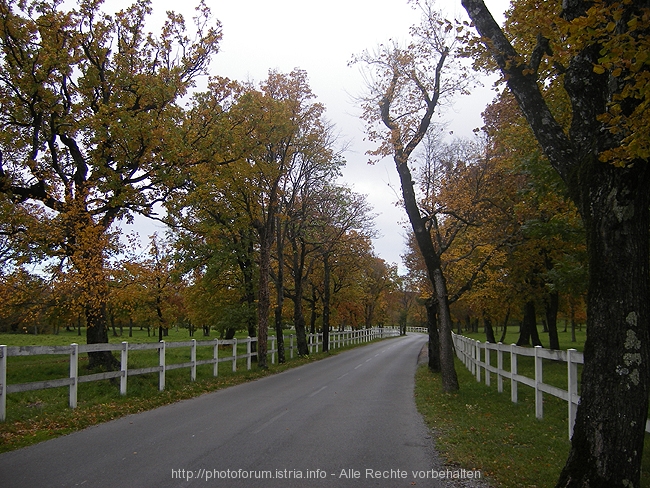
(215, 355)
(572, 380)
(499, 367)
(74, 374)
(249, 348)
(161, 363)
(234, 354)
(193, 360)
(487, 364)
(124, 368)
(273, 349)
(3, 383)
(471, 353)
(539, 379)
(291, 345)
(477, 354)
(513, 373)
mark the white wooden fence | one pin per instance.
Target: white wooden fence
(337, 339)
(477, 357)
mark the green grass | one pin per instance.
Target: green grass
(554, 373)
(512, 336)
(23, 369)
(39, 415)
(479, 428)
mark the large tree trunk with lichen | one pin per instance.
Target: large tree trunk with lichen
(607, 442)
(613, 200)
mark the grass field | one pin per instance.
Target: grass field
(479, 428)
(513, 334)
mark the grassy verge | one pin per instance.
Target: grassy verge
(40, 415)
(512, 336)
(479, 428)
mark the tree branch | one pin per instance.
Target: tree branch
(523, 84)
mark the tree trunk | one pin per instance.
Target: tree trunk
(88, 260)
(245, 262)
(434, 339)
(97, 333)
(326, 300)
(505, 326)
(551, 305)
(573, 323)
(264, 299)
(489, 331)
(434, 271)
(608, 437)
(369, 312)
(298, 314)
(112, 318)
(279, 286)
(528, 331)
(279, 334)
(313, 316)
(614, 201)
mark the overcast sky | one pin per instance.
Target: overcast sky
(320, 38)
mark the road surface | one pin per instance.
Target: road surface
(346, 421)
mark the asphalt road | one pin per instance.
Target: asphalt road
(346, 421)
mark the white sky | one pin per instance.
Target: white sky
(320, 38)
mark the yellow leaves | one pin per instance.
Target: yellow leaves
(633, 23)
(620, 29)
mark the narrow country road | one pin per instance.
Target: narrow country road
(346, 421)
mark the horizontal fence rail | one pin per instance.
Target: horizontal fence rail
(477, 357)
(337, 339)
